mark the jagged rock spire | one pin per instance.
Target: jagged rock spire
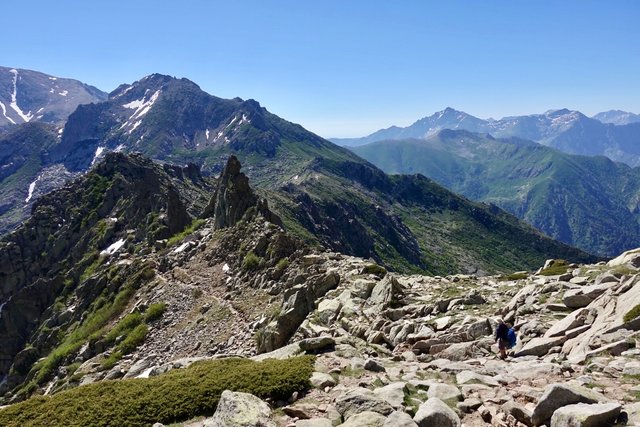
(234, 197)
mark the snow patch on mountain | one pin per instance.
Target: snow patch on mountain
(14, 98)
(32, 187)
(96, 156)
(4, 113)
(142, 107)
(113, 248)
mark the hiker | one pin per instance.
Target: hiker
(512, 338)
(502, 338)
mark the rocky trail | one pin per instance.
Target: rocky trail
(396, 350)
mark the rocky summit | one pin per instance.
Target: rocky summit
(159, 296)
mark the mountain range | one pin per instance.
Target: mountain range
(589, 202)
(618, 137)
(322, 192)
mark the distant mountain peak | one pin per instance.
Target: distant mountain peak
(617, 117)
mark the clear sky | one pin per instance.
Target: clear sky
(346, 67)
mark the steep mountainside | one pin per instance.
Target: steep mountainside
(589, 202)
(323, 192)
(29, 96)
(26, 170)
(568, 131)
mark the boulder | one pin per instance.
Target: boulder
(573, 320)
(540, 346)
(471, 377)
(237, 409)
(444, 392)
(317, 343)
(365, 419)
(631, 258)
(328, 310)
(359, 400)
(392, 393)
(584, 415)
(434, 412)
(373, 365)
(321, 380)
(517, 411)
(558, 395)
(314, 422)
(399, 419)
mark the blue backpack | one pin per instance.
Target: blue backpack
(511, 337)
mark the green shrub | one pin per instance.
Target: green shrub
(179, 395)
(282, 264)
(632, 314)
(133, 339)
(250, 262)
(195, 224)
(154, 312)
(128, 323)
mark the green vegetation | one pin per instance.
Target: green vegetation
(282, 264)
(559, 266)
(515, 276)
(176, 396)
(251, 261)
(195, 224)
(632, 314)
(154, 312)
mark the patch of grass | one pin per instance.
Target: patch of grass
(195, 224)
(251, 262)
(515, 276)
(176, 396)
(154, 312)
(632, 314)
(559, 266)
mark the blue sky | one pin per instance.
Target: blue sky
(346, 67)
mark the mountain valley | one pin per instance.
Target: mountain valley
(588, 202)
